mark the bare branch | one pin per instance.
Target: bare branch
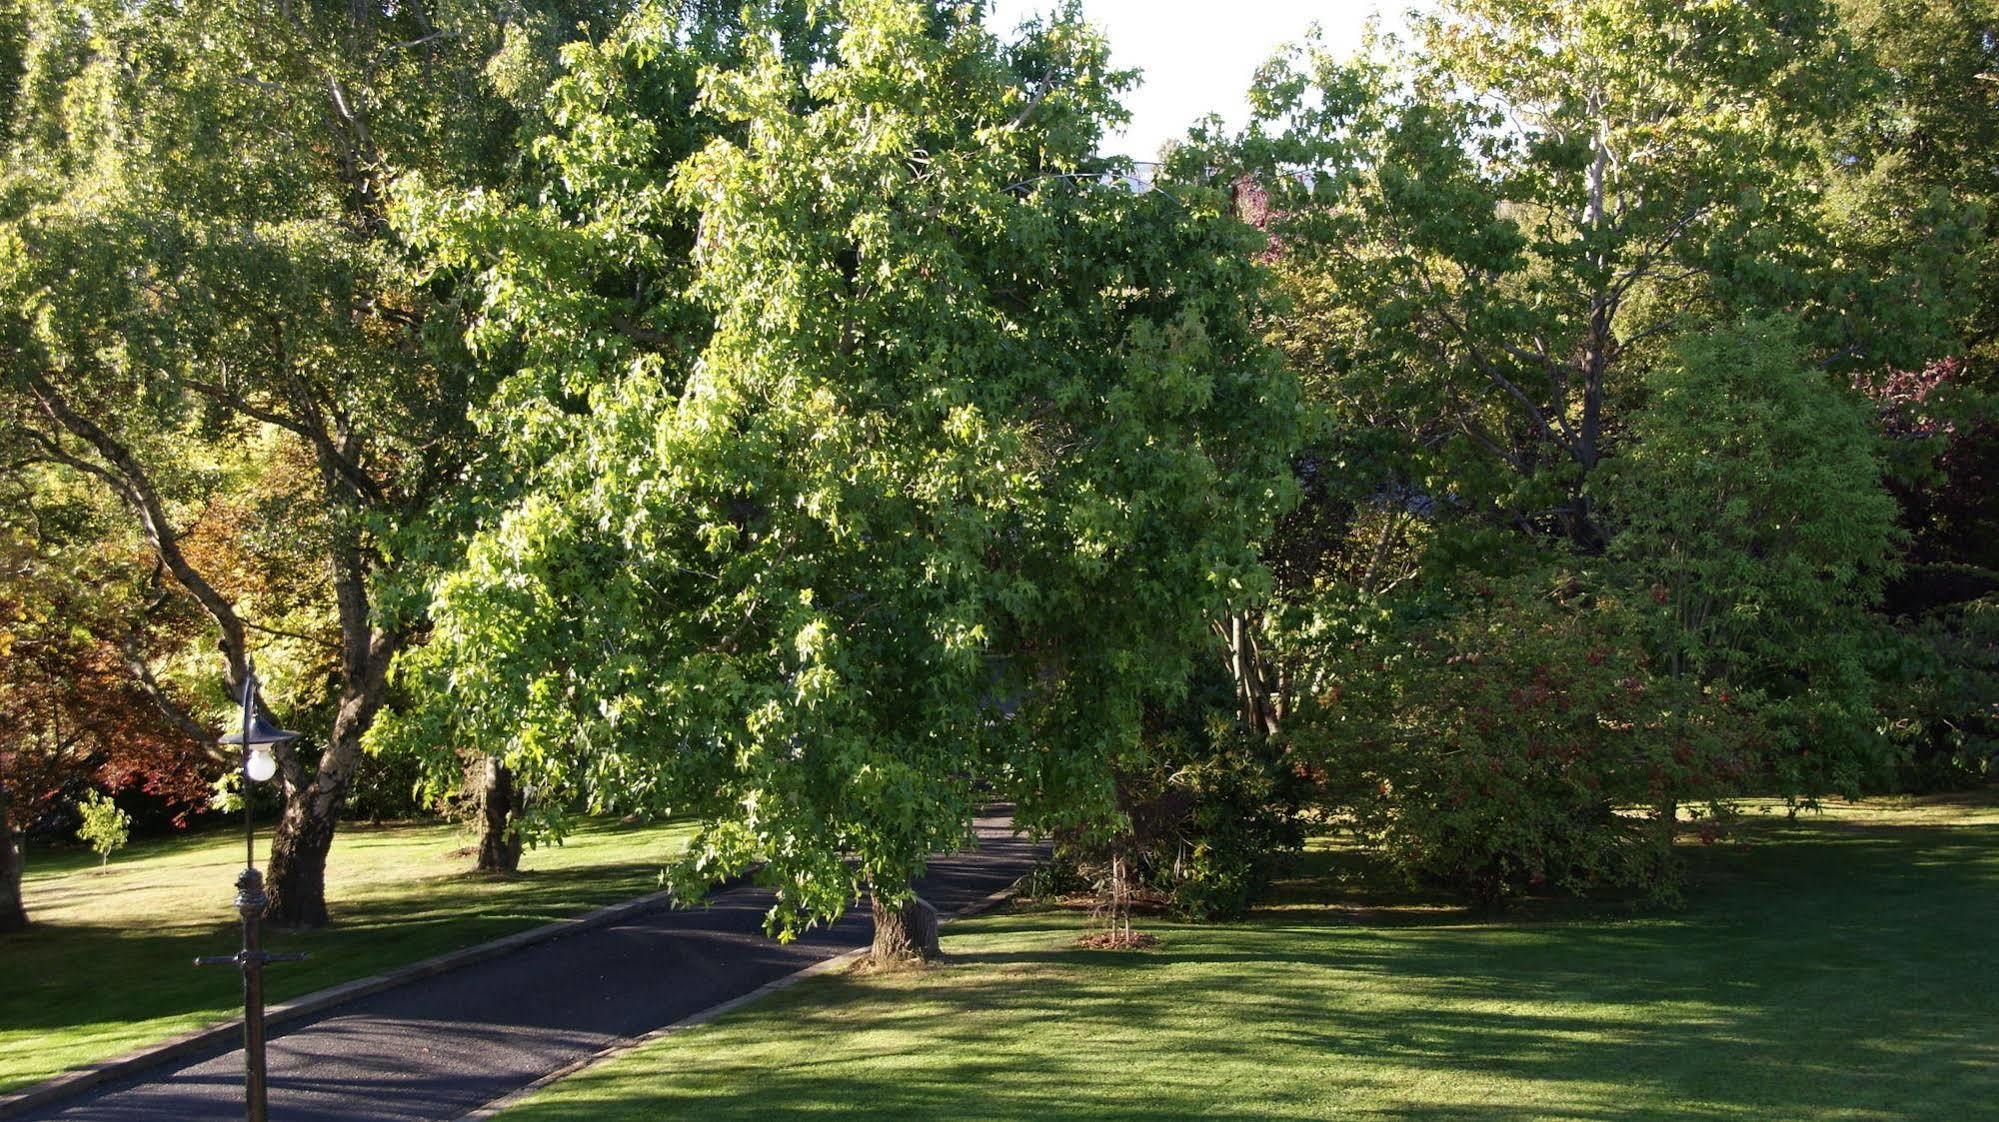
(319, 640)
(1041, 91)
(1561, 436)
(237, 402)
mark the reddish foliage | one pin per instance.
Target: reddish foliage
(1947, 481)
(71, 712)
(1252, 205)
(1907, 399)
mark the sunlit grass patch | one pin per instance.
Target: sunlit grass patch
(1833, 968)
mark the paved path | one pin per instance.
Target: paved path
(437, 1048)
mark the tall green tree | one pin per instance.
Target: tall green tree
(575, 270)
(973, 444)
(1920, 148)
(200, 298)
(1520, 208)
(1754, 513)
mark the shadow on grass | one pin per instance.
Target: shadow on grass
(1831, 971)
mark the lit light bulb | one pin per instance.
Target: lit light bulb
(261, 764)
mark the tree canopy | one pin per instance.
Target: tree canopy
(973, 442)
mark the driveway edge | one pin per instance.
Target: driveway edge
(839, 961)
(81, 1079)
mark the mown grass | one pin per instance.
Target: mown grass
(107, 966)
(1839, 968)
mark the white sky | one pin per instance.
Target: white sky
(1197, 58)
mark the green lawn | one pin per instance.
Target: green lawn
(1843, 968)
(107, 966)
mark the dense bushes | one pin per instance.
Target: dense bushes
(1208, 813)
(1238, 818)
(1505, 725)
(1942, 712)
(1517, 740)
(1940, 642)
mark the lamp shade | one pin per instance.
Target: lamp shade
(262, 732)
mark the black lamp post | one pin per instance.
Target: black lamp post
(259, 765)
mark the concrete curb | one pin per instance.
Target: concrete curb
(75, 1082)
(839, 961)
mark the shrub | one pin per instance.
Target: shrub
(1518, 741)
(1233, 810)
(1944, 698)
(1751, 507)
(1207, 811)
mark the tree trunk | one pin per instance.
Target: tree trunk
(1585, 532)
(904, 935)
(499, 841)
(1121, 897)
(297, 880)
(1260, 702)
(13, 913)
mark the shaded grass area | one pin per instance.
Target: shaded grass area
(107, 966)
(1838, 968)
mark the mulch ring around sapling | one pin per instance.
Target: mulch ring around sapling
(1118, 940)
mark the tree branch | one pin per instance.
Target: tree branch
(129, 479)
(237, 402)
(1041, 91)
(164, 702)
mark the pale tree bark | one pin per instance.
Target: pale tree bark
(1584, 530)
(1117, 904)
(1258, 684)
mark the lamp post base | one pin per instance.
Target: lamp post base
(250, 903)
